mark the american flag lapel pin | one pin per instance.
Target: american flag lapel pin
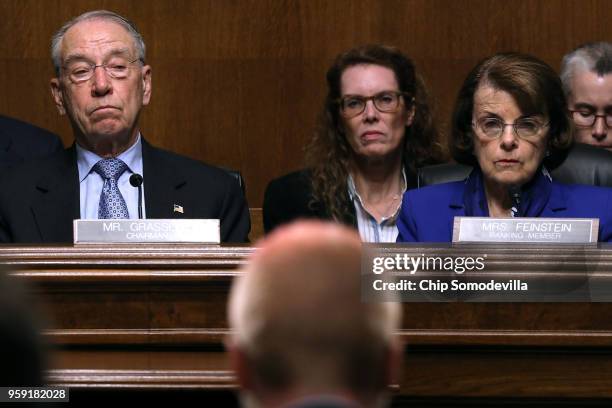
(178, 208)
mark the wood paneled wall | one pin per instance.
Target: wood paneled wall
(239, 83)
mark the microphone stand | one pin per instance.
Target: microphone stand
(136, 181)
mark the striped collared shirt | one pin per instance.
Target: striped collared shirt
(369, 229)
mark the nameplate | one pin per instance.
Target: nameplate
(152, 230)
(540, 230)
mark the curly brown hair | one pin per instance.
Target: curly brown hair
(329, 152)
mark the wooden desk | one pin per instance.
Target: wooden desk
(153, 317)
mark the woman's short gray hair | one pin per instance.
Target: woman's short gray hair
(56, 40)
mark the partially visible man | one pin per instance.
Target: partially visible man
(22, 350)
(102, 82)
(20, 142)
(301, 335)
(586, 73)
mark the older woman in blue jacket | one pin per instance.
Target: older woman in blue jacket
(509, 118)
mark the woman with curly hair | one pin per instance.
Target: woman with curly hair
(375, 130)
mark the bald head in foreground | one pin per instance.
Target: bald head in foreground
(301, 335)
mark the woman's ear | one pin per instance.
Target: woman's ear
(410, 114)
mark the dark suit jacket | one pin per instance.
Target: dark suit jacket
(427, 213)
(39, 200)
(20, 142)
(288, 198)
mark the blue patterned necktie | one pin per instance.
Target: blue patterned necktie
(112, 204)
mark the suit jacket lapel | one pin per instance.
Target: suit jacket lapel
(58, 201)
(161, 180)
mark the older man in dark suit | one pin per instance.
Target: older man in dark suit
(101, 84)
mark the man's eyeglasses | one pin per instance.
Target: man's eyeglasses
(587, 118)
(525, 128)
(81, 71)
(353, 105)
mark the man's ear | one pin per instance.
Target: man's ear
(58, 97)
(146, 84)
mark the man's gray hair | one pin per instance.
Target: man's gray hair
(594, 57)
(297, 315)
(58, 37)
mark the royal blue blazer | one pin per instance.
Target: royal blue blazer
(427, 213)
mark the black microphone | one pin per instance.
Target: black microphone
(515, 196)
(136, 181)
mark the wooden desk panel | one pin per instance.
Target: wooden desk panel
(142, 369)
(153, 317)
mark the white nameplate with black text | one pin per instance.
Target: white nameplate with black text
(536, 230)
(151, 230)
